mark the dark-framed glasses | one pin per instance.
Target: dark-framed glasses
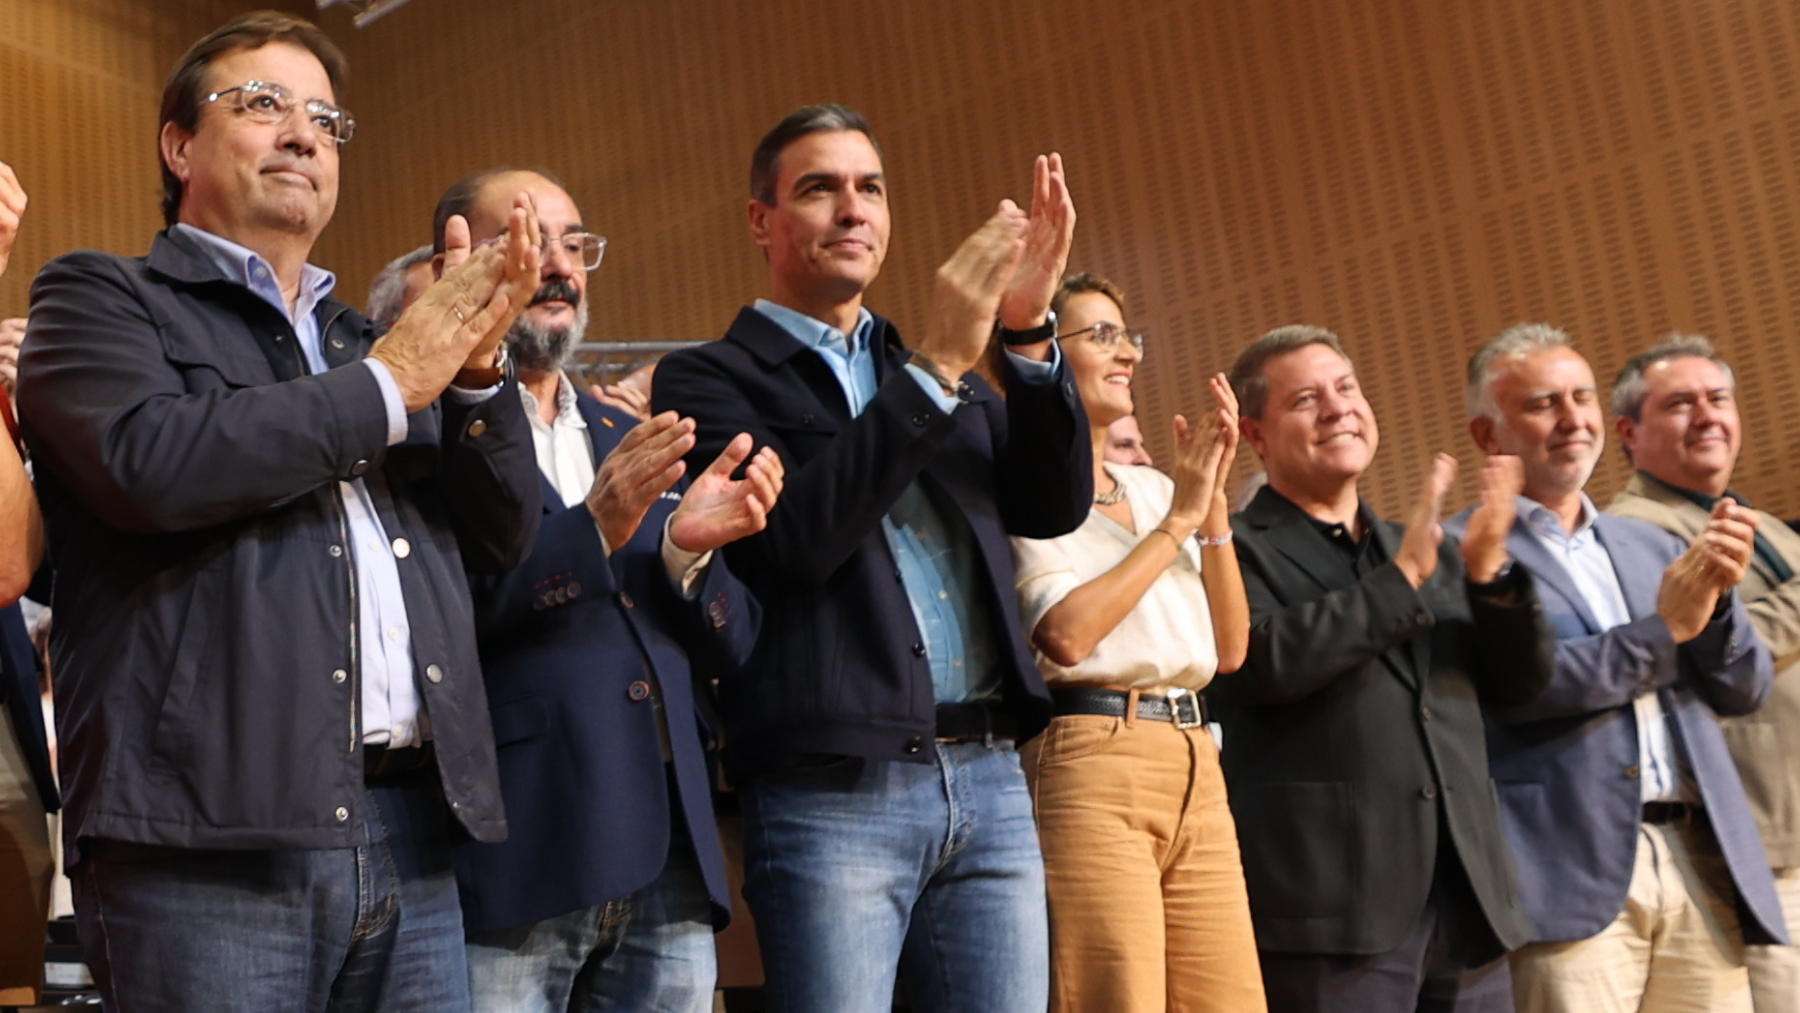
(582, 248)
(268, 102)
(1107, 335)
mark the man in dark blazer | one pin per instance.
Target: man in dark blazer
(887, 822)
(1643, 872)
(1353, 734)
(606, 891)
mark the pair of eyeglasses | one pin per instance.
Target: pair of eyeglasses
(582, 248)
(1107, 335)
(267, 102)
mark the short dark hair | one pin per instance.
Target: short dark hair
(463, 193)
(1086, 281)
(816, 119)
(186, 87)
(1247, 379)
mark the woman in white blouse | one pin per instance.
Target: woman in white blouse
(1132, 613)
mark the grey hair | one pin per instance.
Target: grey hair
(388, 290)
(828, 118)
(1516, 341)
(1629, 389)
(1247, 379)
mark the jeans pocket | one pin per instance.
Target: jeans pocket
(1074, 736)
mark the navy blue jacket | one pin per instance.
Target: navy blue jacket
(1566, 763)
(208, 687)
(571, 643)
(840, 667)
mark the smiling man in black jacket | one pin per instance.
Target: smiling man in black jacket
(270, 706)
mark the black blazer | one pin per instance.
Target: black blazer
(840, 668)
(570, 643)
(1354, 738)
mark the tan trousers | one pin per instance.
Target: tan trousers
(1676, 948)
(1148, 910)
(25, 869)
(1775, 970)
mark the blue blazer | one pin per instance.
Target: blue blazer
(19, 690)
(571, 644)
(1566, 763)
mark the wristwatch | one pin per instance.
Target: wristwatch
(1042, 332)
(481, 379)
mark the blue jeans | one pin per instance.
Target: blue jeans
(371, 928)
(651, 952)
(860, 869)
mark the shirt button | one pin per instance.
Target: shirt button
(1632, 772)
(342, 814)
(918, 650)
(393, 633)
(340, 675)
(402, 548)
(477, 427)
(434, 673)
(638, 691)
(336, 551)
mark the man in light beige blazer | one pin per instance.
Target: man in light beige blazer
(1675, 409)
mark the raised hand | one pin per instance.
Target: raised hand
(463, 316)
(1226, 415)
(628, 398)
(1728, 541)
(642, 467)
(1418, 555)
(1484, 540)
(717, 509)
(966, 293)
(12, 209)
(1195, 469)
(1026, 302)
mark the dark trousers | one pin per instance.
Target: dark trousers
(1449, 963)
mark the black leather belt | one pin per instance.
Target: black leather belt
(382, 765)
(1672, 812)
(975, 722)
(1185, 709)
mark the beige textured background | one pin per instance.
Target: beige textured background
(1412, 173)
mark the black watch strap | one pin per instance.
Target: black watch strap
(1042, 332)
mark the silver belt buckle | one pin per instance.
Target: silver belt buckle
(1184, 706)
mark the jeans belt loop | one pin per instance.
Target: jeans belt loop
(1131, 707)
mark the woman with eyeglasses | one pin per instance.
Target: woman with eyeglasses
(1132, 614)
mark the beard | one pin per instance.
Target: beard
(540, 349)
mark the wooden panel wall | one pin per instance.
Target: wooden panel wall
(1412, 173)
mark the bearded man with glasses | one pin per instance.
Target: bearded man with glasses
(261, 509)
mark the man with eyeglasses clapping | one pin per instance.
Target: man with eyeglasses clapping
(270, 703)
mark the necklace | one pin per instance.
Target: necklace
(1117, 494)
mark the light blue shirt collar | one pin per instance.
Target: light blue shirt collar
(1544, 522)
(814, 333)
(248, 268)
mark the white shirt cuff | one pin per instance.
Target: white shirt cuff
(686, 569)
(390, 396)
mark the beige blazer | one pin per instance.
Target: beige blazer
(1766, 744)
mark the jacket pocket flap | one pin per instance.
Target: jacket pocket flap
(521, 719)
